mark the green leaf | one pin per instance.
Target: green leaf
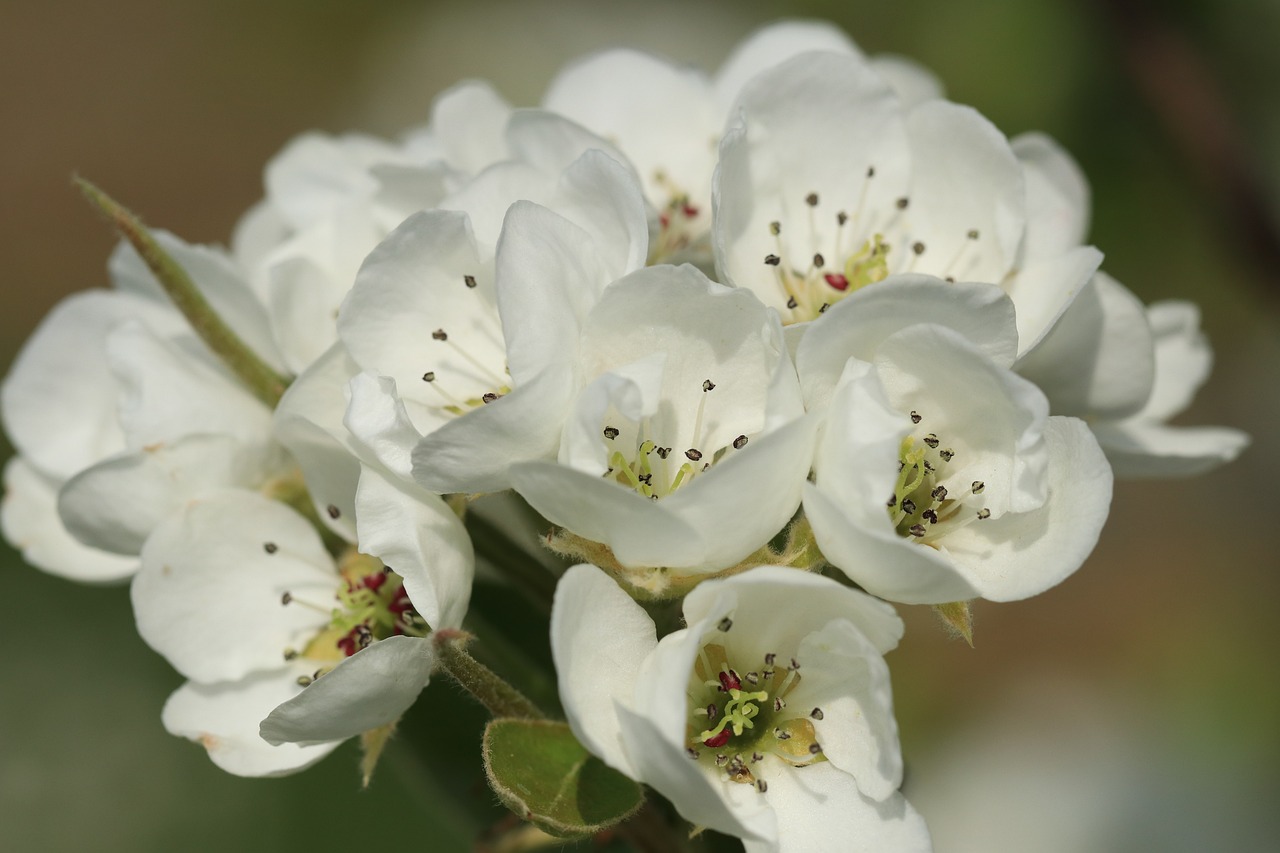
(540, 771)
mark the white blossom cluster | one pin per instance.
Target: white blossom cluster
(794, 341)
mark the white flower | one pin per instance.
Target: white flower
(120, 414)
(768, 717)
(987, 495)
(828, 182)
(687, 415)
(668, 118)
(239, 594)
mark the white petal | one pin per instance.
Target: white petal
(115, 504)
(30, 521)
(377, 419)
(549, 273)
(474, 453)
(420, 537)
(910, 81)
(371, 688)
(771, 45)
(316, 174)
(61, 371)
(964, 178)
(856, 327)
(171, 387)
(551, 143)
(661, 115)
(1183, 358)
(779, 603)
(224, 717)
(411, 286)
(1057, 197)
(308, 421)
(1019, 555)
(208, 595)
(599, 637)
(602, 195)
(1098, 359)
(1044, 289)
(486, 197)
(1138, 448)
(820, 808)
(468, 121)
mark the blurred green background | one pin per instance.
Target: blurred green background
(1135, 708)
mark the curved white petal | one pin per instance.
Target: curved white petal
(308, 422)
(474, 453)
(599, 637)
(910, 81)
(1144, 449)
(371, 688)
(1098, 359)
(416, 533)
(115, 504)
(1183, 358)
(964, 180)
(171, 387)
(771, 45)
(1044, 289)
(820, 808)
(468, 121)
(224, 718)
(602, 195)
(1019, 555)
(1057, 196)
(30, 522)
(856, 327)
(209, 594)
(61, 371)
(377, 419)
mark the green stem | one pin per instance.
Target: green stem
(267, 385)
(484, 685)
(496, 649)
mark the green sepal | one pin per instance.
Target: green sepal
(540, 771)
(958, 617)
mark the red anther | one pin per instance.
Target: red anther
(836, 280)
(717, 741)
(664, 220)
(689, 211)
(729, 681)
(349, 643)
(374, 581)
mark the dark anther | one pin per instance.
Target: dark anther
(816, 713)
(469, 280)
(973, 234)
(725, 624)
(842, 218)
(305, 680)
(824, 307)
(930, 516)
(871, 171)
(811, 199)
(908, 506)
(978, 487)
(940, 493)
(429, 376)
(915, 417)
(270, 547)
(984, 513)
(489, 397)
(712, 712)
(947, 455)
(791, 303)
(775, 228)
(770, 658)
(663, 452)
(762, 785)
(902, 203)
(815, 748)
(692, 753)
(917, 247)
(333, 511)
(440, 335)
(693, 453)
(892, 502)
(931, 440)
(819, 261)
(778, 704)
(286, 598)
(611, 433)
(740, 442)
(772, 260)
(708, 385)
(916, 530)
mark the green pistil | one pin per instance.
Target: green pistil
(739, 712)
(868, 265)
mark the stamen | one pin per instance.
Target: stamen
(270, 547)
(740, 442)
(469, 280)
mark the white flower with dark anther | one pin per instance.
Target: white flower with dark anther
(668, 118)
(940, 476)
(828, 182)
(120, 415)
(768, 717)
(240, 595)
(1126, 370)
(687, 413)
(474, 369)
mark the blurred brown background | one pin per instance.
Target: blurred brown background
(1135, 708)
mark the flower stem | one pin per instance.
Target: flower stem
(267, 385)
(484, 685)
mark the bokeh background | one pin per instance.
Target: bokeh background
(1134, 708)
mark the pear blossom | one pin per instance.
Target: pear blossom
(240, 595)
(687, 412)
(668, 118)
(941, 475)
(456, 314)
(768, 717)
(829, 182)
